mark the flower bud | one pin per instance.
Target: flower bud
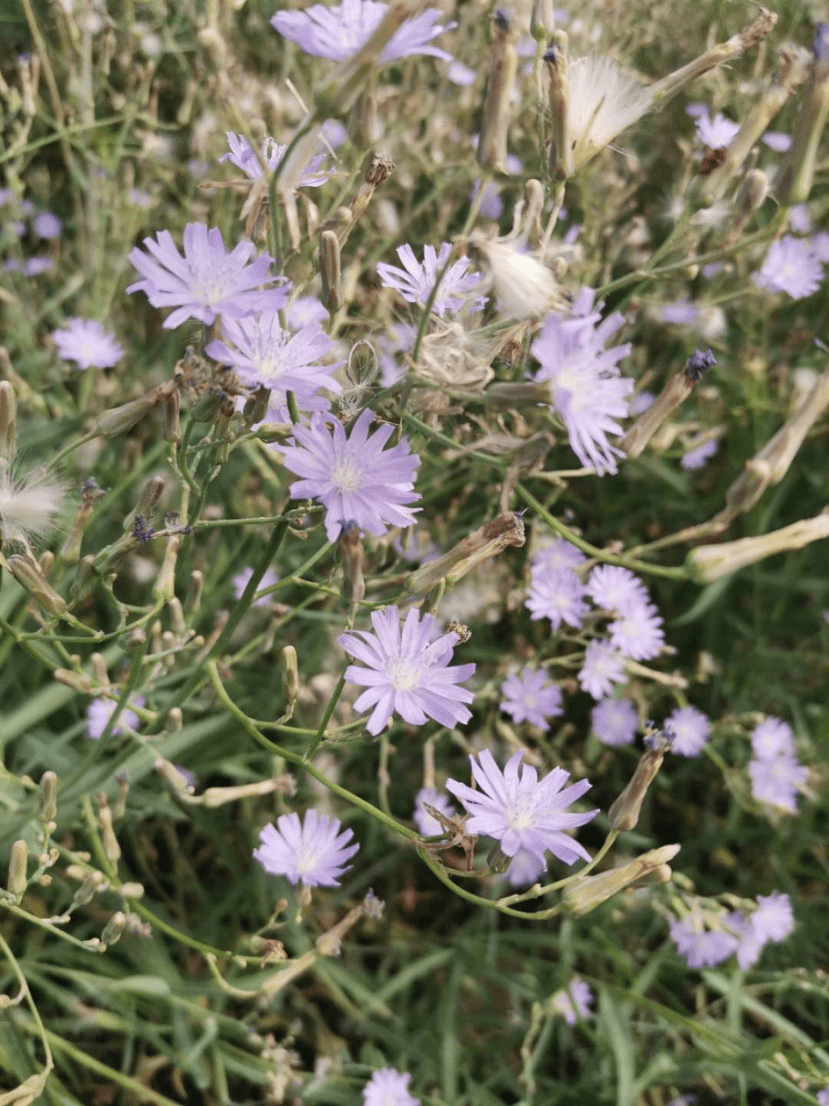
(48, 797)
(711, 562)
(585, 894)
(624, 813)
(488, 541)
(18, 861)
(192, 600)
(91, 884)
(675, 392)
(147, 502)
(752, 192)
(561, 147)
(503, 66)
(351, 554)
(120, 419)
(30, 576)
(112, 850)
(166, 581)
(290, 674)
(172, 418)
(8, 424)
(114, 928)
(256, 406)
(175, 721)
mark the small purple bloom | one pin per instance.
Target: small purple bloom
(399, 338)
(528, 697)
(587, 388)
(717, 132)
(313, 852)
(338, 33)
(681, 312)
(777, 141)
(800, 220)
(35, 266)
(613, 588)
(46, 225)
(460, 74)
(791, 267)
(206, 282)
(408, 672)
(560, 556)
(389, 1087)
(640, 403)
(777, 781)
(638, 633)
(521, 812)
(416, 280)
(823, 1096)
(820, 245)
(603, 667)
(242, 156)
(241, 579)
(691, 730)
(700, 947)
(426, 823)
(99, 712)
(266, 356)
(85, 342)
(773, 920)
(614, 721)
(355, 480)
(558, 596)
(573, 1002)
(698, 457)
(305, 311)
(683, 1100)
(772, 738)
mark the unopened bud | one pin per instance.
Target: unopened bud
(77, 680)
(503, 67)
(707, 563)
(663, 873)
(18, 862)
(256, 406)
(120, 419)
(166, 582)
(112, 850)
(114, 928)
(561, 148)
(99, 669)
(91, 884)
(585, 894)
(214, 47)
(752, 191)
(351, 553)
(8, 423)
(175, 721)
(131, 890)
(290, 674)
(192, 600)
(48, 797)
(624, 814)
(329, 262)
(147, 502)
(172, 418)
(30, 576)
(168, 771)
(491, 539)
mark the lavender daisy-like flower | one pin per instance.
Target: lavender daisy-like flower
(614, 721)
(603, 667)
(407, 672)
(717, 132)
(303, 311)
(613, 588)
(85, 342)
(266, 356)
(700, 947)
(586, 385)
(690, 728)
(556, 595)
(99, 712)
(313, 852)
(389, 1087)
(528, 697)
(338, 33)
(777, 141)
(46, 225)
(574, 1001)
(352, 476)
(772, 738)
(773, 920)
(777, 781)
(241, 579)
(36, 266)
(791, 267)
(426, 823)
(416, 280)
(242, 156)
(525, 868)
(523, 812)
(638, 633)
(561, 556)
(207, 281)
(697, 458)
(823, 1096)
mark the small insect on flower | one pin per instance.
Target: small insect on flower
(29, 505)
(314, 853)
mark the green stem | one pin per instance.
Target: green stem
(326, 718)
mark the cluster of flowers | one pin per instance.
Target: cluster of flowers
(704, 939)
(44, 226)
(776, 773)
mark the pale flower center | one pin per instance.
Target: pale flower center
(519, 815)
(403, 675)
(209, 288)
(347, 474)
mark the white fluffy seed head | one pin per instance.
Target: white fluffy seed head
(604, 101)
(525, 287)
(29, 505)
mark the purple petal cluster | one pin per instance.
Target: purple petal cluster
(691, 730)
(313, 852)
(389, 1087)
(416, 280)
(698, 457)
(355, 479)
(557, 594)
(791, 266)
(207, 281)
(521, 811)
(744, 934)
(408, 671)
(614, 721)
(99, 712)
(85, 342)
(603, 667)
(528, 697)
(701, 947)
(574, 1001)
(242, 156)
(241, 579)
(338, 33)
(776, 774)
(717, 132)
(637, 631)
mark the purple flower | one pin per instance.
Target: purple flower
(772, 738)
(690, 728)
(529, 698)
(561, 556)
(800, 220)
(701, 948)
(399, 339)
(823, 1096)
(773, 920)
(587, 388)
(574, 1001)
(407, 672)
(638, 633)
(266, 356)
(791, 267)
(696, 458)
(303, 311)
(603, 667)
(416, 280)
(820, 245)
(355, 480)
(614, 721)
(388, 1087)
(241, 579)
(207, 281)
(242, 156)
(417, 547)
(777, 781)
(46, 225)
(525, 868)
(613, 588)
(640, 403)
(85, 342)
(717, 132)
(521, 812)
(315, 853)
(558, 596)
(680, 312)
(460, 74)
(99, 712)
(777, 141)
(426, 823)
(34, 266)
(338, 33)
(683, 1100)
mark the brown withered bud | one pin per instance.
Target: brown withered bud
(503, 67)
(624, 813)
(351, 553)
(488, 541)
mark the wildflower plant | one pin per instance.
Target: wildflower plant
(432, 556)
